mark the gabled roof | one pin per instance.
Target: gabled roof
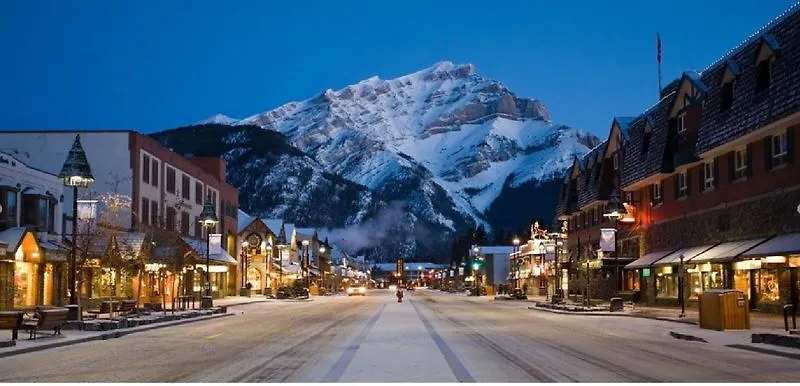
(12, 237)
(733, 67)
(274, 225)
(244, 221)
(624, 124)
(750, 110)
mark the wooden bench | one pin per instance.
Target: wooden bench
(46, 319)
(106, 307)
(11, 320)
(127, 307)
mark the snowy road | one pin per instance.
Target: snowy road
(431, 337)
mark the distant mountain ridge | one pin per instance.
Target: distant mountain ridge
(449, 143)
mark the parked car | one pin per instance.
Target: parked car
(357, 290)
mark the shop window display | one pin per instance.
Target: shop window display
(666, 283)
(769, 290)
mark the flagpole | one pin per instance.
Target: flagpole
(658, 58)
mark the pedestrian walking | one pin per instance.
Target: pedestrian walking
(249, 287)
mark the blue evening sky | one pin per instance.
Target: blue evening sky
(151, 64)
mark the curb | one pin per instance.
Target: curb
(690, 338)
(111, 335)
(765, 351)
(604, 313)
(245, 303)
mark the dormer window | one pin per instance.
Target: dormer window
(681, 123)
(764, 74)
(726, 95)
(615, 161)
(648, 131)
(766, 57)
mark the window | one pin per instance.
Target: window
(740, 164)
(171, 213)
(146, 169)
(680, 123)
(726, 95)
(198, 193)
(655, 194)
(780, 148)
(154, 213)
(186, 186)
(708, 176)
(51, 215)
(615, 161)
(683, 184)
(628, 197)
(145, 212)
(170, 180)
(763, 74)
(154, 179)
(8, 198)
(185, 223)
(198, 228)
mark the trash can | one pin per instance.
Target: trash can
(616, 305)
(206, 302)
(724, 310)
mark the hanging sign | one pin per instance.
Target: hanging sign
(461, 270)
(607, 238)
(215, 244)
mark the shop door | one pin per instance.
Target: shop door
(755, 280)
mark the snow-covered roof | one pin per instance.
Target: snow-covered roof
(199, 246)
(290, 231)
(274, 225)
(12, 237)
(244, 221)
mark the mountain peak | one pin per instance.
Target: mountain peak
(218, 118)
(444, 69)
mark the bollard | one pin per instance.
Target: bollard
(786, 309)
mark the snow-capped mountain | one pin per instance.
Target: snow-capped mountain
(218, 118)
(445, 139)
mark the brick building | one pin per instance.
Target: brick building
(712, 173)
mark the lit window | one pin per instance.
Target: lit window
(708, 175)
(740, 163)
(780, 149)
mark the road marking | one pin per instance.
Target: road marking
(213, 336)
(338, 368)
(458, 369)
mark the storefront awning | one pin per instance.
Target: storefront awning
(779, 245)
(687, 253)
(54, 252)
(726, 251)
(199, 246)
(648, 259)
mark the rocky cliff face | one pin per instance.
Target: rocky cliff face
(449, 144)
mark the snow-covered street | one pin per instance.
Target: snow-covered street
(430, 337)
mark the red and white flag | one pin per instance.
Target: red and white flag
(658, 38)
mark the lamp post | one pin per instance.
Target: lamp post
(322, 271)
(75, 173)
(614, 211)
(245, 246)
(208, 218)
(542, 271)
(304, 266)
(681, 290)
(516, 261)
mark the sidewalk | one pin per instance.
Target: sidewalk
(46, 340)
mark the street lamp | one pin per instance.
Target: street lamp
(516, 242)
(208, 219)
(542, 271)
(75, 173)
(305, 263)
(245, 245)
(321, 270)
(615, 210)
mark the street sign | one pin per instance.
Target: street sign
(646, 272)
